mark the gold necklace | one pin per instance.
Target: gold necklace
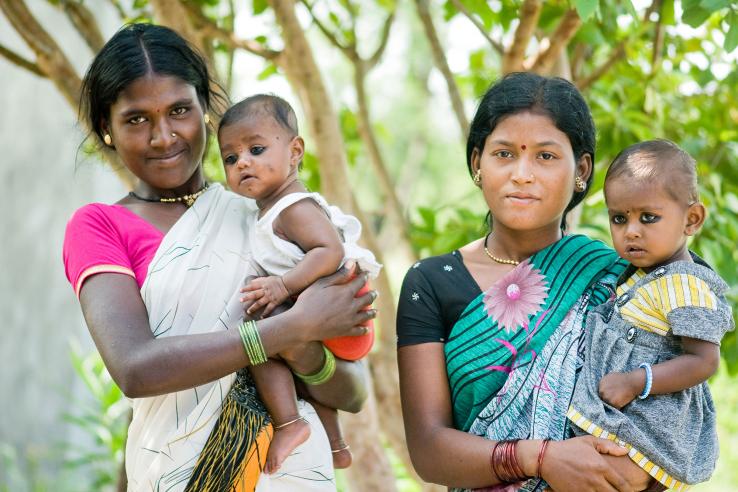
(187, 199)
(493, 257)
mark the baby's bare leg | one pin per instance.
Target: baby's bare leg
(329, 418)
(277, 390)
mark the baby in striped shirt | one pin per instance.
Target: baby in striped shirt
(650, 350)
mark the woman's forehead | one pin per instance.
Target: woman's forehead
(153, 91)
(529, 128)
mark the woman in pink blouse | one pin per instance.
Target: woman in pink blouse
(157, 275)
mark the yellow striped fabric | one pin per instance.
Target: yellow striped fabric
(638, 458)
(653, 301)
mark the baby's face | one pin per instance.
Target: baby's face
(257, 155)
(648, 226)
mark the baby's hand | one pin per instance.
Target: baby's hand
(267, 292)
(620, 388)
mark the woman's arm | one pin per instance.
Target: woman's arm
(444, 455)
(146, 366)
(699, 361)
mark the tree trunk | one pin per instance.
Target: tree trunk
(302, 71)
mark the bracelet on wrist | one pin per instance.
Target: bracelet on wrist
(251, 341)
(541, 453)
(504, 462)
(324, 374)
(649, 381)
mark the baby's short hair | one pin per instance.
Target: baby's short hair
(658, 160)
(262, 105)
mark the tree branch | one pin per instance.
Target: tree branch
(567, 28)
(617, 54)
(439, 58)
(49, 57)
(18, 60)
(377, 55)
(348, 50)
(85, 23)
(530, 11)
(496, 45)
(211, 30)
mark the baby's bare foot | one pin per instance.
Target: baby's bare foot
(341, 454)
(287, 437)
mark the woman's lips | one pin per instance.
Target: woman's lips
(522, 198)
(168, 158)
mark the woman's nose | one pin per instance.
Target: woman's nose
(523, 171)
(162, 134)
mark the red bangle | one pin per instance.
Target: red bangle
(504, 462)
(541, 452)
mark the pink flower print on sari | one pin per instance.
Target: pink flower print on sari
(516, 296)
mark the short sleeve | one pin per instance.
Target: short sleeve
(692, 308)
(92, 245)
(419, 317)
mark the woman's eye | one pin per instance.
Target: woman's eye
(618, 219)
(503, 154)
(647, 218)
(136, 120)
(546, 156)
(180, 110)
(229, 159)
(257, 149)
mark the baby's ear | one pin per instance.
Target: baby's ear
(696, 214)
(297, 150)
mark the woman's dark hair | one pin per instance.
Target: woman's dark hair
(554, 97)
(134, 51)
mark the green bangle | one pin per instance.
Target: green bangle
(252, 342)
(326, 372)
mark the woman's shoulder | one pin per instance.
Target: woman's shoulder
(433, 265)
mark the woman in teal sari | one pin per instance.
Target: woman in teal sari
(490, 336)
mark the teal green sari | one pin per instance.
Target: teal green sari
(514, 381)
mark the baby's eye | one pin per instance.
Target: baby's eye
(546, 156)
(618, 219)
(502, 154)
(179, 111)
(257, 149)
(136, 120)
(647, 218)
(229, 159)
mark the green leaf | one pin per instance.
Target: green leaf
(259, 6)
(270, 70)
(694, 13)
(667, 13)
(731, 38)
(713, 5)
(586, 8)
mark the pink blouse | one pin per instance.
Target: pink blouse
(108, 239)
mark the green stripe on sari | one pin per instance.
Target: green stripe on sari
(480, 354)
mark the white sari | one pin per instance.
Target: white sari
(192, 287)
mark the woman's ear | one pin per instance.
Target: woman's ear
(297, 151)
(696, 214)
(584, 167)
(475, 158)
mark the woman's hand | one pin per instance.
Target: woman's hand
(329, 308)
(578, 464)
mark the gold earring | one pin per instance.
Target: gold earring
(580, 184)
(107, 139)
(206, 118)
(477, 178)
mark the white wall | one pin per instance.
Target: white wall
(43, 181)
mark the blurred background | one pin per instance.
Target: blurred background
(391, 87)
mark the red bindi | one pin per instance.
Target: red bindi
(523, 147)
